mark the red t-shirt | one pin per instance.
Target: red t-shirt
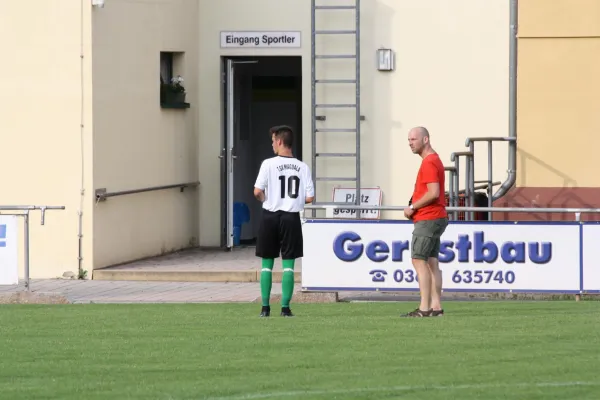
(431, 170)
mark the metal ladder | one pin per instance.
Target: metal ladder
(315, 153)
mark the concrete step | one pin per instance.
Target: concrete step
(169, 275)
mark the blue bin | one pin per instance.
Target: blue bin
(241, 215)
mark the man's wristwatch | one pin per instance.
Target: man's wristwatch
(411, 207)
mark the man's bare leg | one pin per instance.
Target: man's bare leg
(436, 283)
(425, 279)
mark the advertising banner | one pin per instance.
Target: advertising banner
(490, 257)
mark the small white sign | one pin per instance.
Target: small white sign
(368, 197)
(9, 272)
(258, 39)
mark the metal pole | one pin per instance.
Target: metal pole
(456, 193)
(512, 101)
(493, 209)
(357, 50)
(451, 191)
(457, 185)
(313, 99)
(472, 180)
(24, 208)
(26, 256)
(467, 186)
(490, 189)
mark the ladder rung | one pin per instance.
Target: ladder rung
(335, 81)
(337, 179)
(335, 7)
(335, 154)
(335, 56)
(334, 32)
(335, 130)
(335, 105)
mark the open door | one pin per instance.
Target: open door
(228, 151)
(228, 155)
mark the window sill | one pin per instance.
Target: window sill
(175, 105)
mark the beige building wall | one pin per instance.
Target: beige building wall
(451, 76)
(559, 86)
(95, 122)
(557, 107)
(138, 144)
(46, 127)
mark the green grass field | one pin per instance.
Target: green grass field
(479, 350)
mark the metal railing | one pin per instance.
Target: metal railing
(576, 211)
(455, 158)
(470, 170)
(25, 215)
(102, 194)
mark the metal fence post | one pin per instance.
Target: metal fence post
(26, 245)
(25, 215)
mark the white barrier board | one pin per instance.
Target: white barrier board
(375, 255)
(591, 261)
(9, 273)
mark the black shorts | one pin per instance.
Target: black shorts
(280, 231)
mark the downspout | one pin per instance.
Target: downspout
(80, 273)
(512, 104)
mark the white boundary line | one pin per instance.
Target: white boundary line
(400, 389)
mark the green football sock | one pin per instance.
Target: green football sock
(287, 282)
(266, 280)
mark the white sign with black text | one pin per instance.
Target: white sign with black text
(258, 39)
(370, 197)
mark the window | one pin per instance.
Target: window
(166, 67)
(172, 94)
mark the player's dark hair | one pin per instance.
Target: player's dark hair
(285, 133)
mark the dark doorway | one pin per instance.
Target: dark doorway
(264, 91)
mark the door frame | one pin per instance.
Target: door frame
(227, 154)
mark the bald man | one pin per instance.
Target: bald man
(428, 213)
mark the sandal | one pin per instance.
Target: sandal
(417, 313)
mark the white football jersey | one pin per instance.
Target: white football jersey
(287, 183)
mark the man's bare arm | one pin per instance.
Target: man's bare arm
(433, 192)
(259, 195)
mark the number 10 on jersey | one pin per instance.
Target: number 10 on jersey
(292, 183)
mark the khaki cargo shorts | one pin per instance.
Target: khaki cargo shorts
(426, 238)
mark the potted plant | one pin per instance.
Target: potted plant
(174, 92)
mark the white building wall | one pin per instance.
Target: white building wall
(451, 76)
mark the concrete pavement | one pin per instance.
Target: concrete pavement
(90, 291)
(196, 265)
